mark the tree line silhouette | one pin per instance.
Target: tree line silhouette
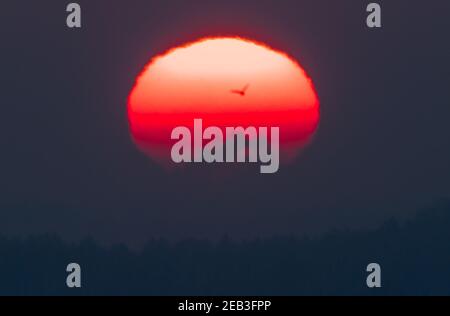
(414, 256)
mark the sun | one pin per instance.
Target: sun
(225, 81)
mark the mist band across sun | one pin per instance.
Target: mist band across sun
(226, 81)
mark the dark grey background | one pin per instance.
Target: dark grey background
(68, 165)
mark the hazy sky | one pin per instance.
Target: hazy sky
(68, 164)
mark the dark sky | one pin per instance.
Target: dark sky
(68, 164)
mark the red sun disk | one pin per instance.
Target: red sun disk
(199, 80)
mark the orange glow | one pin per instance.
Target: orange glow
(226, 82)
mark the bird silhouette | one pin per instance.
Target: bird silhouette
(241, 92)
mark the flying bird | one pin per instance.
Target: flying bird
(241, 92)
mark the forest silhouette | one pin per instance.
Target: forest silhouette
(414, 256)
